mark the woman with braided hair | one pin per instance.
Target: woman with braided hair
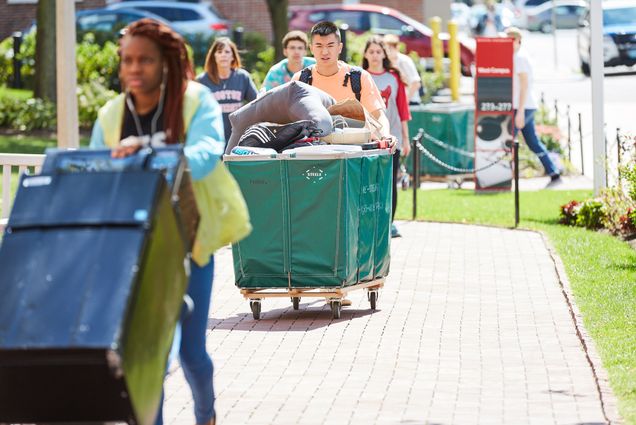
(161, 105)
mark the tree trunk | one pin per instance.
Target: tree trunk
(45, 75)
(278, 16)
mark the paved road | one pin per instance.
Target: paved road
(565, 83)
(472, 327)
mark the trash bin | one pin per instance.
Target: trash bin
(451, 124)
(319, 221)
(92, 284)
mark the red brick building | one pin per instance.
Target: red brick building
(17, 15)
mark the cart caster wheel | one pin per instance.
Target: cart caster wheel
(373, 297)
(296, 302)
(335, 309)
(256, 309)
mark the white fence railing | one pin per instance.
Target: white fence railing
(8, 162)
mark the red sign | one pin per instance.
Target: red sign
(494, 57)
(493, 113)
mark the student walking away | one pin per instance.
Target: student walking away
(525, 107)
(160, 104)
(407, 68)
(295, 45)
(231, 85)
(393, 91)
(339, 79)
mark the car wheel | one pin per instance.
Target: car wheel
(546, 27)
(585, 68)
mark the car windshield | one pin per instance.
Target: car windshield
(622, 16)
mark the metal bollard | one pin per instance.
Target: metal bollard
(455, 61)
(437, 46)
(416, 169)
(515, 147)
(239, 40)
(569, 136)
(618, 152)
(17, 62)
(343, 38)
(581, 142)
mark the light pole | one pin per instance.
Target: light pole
(596, 69)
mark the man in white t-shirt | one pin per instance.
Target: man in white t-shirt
(525, 106)
(407, 68)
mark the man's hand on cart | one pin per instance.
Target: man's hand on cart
(393, 143)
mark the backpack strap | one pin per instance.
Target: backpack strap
(305, 75)
(355, 74)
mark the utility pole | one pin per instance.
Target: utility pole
(598, 120)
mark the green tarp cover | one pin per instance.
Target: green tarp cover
(448, 123)
(319, 221)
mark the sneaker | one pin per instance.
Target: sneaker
(395, 232)
(555, 181)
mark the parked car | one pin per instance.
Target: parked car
(567, 13)
(619, 35)
(380, 20)
(105, 24)
(186, 18)
(110, 21)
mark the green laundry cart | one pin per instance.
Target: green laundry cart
(449, 123)
(320, 222)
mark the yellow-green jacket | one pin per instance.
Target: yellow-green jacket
(224, 216)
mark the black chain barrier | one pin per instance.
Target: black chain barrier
(449, 147)
(453, 168)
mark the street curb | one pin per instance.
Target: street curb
(607, 398)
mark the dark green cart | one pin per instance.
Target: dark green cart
(321, 225)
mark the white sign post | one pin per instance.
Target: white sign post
(67, 117)
(598, 120)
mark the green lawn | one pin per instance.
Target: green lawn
(601, 268)
(15, 93)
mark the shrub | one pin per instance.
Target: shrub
(590, 214)
(569, 213)
(26, 115)
(97, 63)
(616, 207)
(90, 97)
(628, 223)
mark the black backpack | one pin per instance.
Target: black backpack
(355, 74)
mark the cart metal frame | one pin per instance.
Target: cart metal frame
(333, 296)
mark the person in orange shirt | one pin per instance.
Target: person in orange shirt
(334, 77)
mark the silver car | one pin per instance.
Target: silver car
(186, 18)
(567, 13)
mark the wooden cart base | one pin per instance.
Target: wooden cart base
(333, 296)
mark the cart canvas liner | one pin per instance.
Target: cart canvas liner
(320, 220)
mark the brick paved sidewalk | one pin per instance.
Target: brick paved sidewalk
(471, 327)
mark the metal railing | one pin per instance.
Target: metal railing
(9, 161)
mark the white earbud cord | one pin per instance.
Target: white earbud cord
(157, 114)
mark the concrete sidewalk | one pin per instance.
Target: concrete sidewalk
(472, 327)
